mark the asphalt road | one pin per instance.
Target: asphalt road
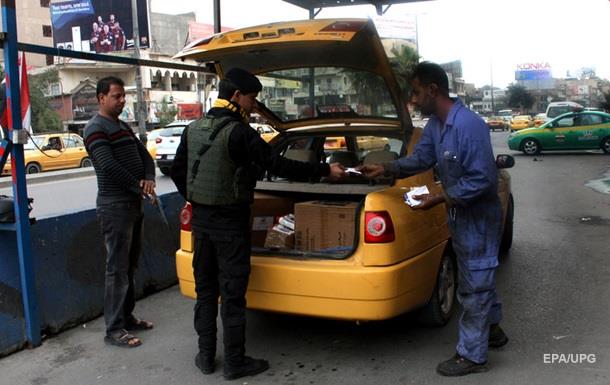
(555, 285)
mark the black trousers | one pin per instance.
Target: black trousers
(221, 267)
(121, 225)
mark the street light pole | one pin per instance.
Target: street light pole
(139, 90)
(491, 75)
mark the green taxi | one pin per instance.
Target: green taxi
(583, 130)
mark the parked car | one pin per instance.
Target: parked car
(520, 122)
(554, 109)
(53, 152)
(375, 257)
(151, 141)
(572, 131)
(265, 130)
(497, 123)
(540, 119)
(167, 143)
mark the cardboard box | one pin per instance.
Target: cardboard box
(280, 237)
(324, 225)
(264, 210)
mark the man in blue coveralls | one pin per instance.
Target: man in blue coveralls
(458, 141)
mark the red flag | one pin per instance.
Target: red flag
(26, 110)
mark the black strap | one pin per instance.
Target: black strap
(206, 146)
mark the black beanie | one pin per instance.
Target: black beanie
(244, 80)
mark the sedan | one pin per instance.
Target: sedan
(584, 130)
(357, 251)
(520, 122)
(167, 142)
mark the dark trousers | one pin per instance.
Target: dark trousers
(221, 267)
(121, 225)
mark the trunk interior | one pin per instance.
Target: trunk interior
(325, 224)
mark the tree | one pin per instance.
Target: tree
(403, 63)
(518, 97)
(166, 113)
(369, 86)
(605, 104)
(44, 119)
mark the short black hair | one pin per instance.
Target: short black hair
(104, 84)
(431, 73)
(238, 79)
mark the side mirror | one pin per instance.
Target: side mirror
(505, 161)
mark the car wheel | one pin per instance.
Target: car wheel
(32, 168)
(165, 170)
(507, 233)
(386, 147)
(438, 310)
(86, 162)
(530, 147)
(606, 145)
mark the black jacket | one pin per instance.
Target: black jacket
(245, 147)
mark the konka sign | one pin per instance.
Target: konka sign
(533, 71)
(533, 66)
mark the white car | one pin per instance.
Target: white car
(167, 144)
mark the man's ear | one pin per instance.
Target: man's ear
(236, 95)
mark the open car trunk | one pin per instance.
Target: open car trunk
(326, 220)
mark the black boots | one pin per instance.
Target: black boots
(497, 338)
(459, 366)
(205, 364)
(248, 367)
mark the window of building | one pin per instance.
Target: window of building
(45, 3)
(47, 31)
(50, 60)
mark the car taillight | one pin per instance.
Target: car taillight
(158, 140)
(186, 214)
(378, 227)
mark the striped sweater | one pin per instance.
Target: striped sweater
(119, 158)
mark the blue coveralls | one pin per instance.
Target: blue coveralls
(462, 149)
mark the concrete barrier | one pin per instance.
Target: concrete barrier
(69, 261)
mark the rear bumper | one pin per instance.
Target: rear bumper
(164, 162)
(332, 289)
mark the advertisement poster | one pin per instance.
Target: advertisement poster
(100, 26)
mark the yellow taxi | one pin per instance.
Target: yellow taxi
(152, 141)
(358, 252)
(266, 131)
(53, 152)
(520, 122)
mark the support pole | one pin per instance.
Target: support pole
(217, 25)
(139, 90)
(19, 138)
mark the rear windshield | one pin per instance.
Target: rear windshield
(325, 92)
(172, 131)
(558, 110)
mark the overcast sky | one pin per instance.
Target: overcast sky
(490, 37)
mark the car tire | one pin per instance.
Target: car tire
(32, 168)
(165, 170)
(507, 234)
(86, 162)
(530, 147)
(606, 145)
(438, 310)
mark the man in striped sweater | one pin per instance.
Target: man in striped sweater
(125, 175)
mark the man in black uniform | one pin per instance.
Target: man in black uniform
(216, 167)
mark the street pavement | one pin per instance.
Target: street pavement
(554, 285)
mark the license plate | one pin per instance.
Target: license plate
(171, 157)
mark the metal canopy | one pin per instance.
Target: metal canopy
(312, 5)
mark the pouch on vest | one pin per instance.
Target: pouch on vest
(245, 182)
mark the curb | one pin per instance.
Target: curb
(50, 176)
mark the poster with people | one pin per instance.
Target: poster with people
(100, 26)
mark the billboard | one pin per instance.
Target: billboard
(99, 26)
(533, 71)
(402, 27)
